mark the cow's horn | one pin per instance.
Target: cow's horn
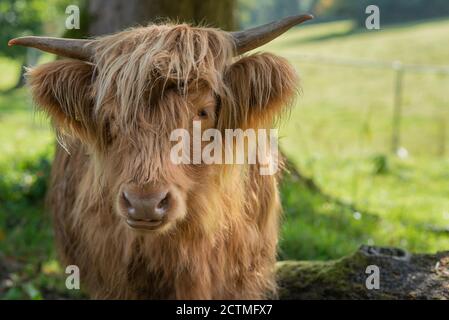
(70, 48)
(253, 38)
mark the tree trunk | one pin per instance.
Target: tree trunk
(107, 16)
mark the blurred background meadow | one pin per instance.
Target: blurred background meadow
(367, 141)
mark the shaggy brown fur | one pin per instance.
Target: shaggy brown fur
(114, 118)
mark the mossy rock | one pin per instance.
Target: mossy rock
(401, 276)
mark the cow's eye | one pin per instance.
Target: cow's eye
(202, 113)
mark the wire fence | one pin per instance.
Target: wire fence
(398, 67)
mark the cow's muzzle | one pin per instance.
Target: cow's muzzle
(147, 209)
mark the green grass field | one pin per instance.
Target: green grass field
(338, 134)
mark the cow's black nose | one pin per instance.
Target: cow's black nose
(149, 207)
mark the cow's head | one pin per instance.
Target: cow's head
(122, 95)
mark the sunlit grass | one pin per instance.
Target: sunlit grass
(9, 72)
(342, 125)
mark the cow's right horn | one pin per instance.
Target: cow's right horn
(70, 48)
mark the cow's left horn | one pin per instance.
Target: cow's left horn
(253, 38)
(70, 48)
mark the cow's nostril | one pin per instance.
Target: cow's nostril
(164, 203)
(129, 207)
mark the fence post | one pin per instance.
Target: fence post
(442, 133)
(397, 108)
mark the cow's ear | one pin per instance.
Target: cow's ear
(262, 86)
(63, 90)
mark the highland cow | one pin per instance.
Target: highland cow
(137, 225)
